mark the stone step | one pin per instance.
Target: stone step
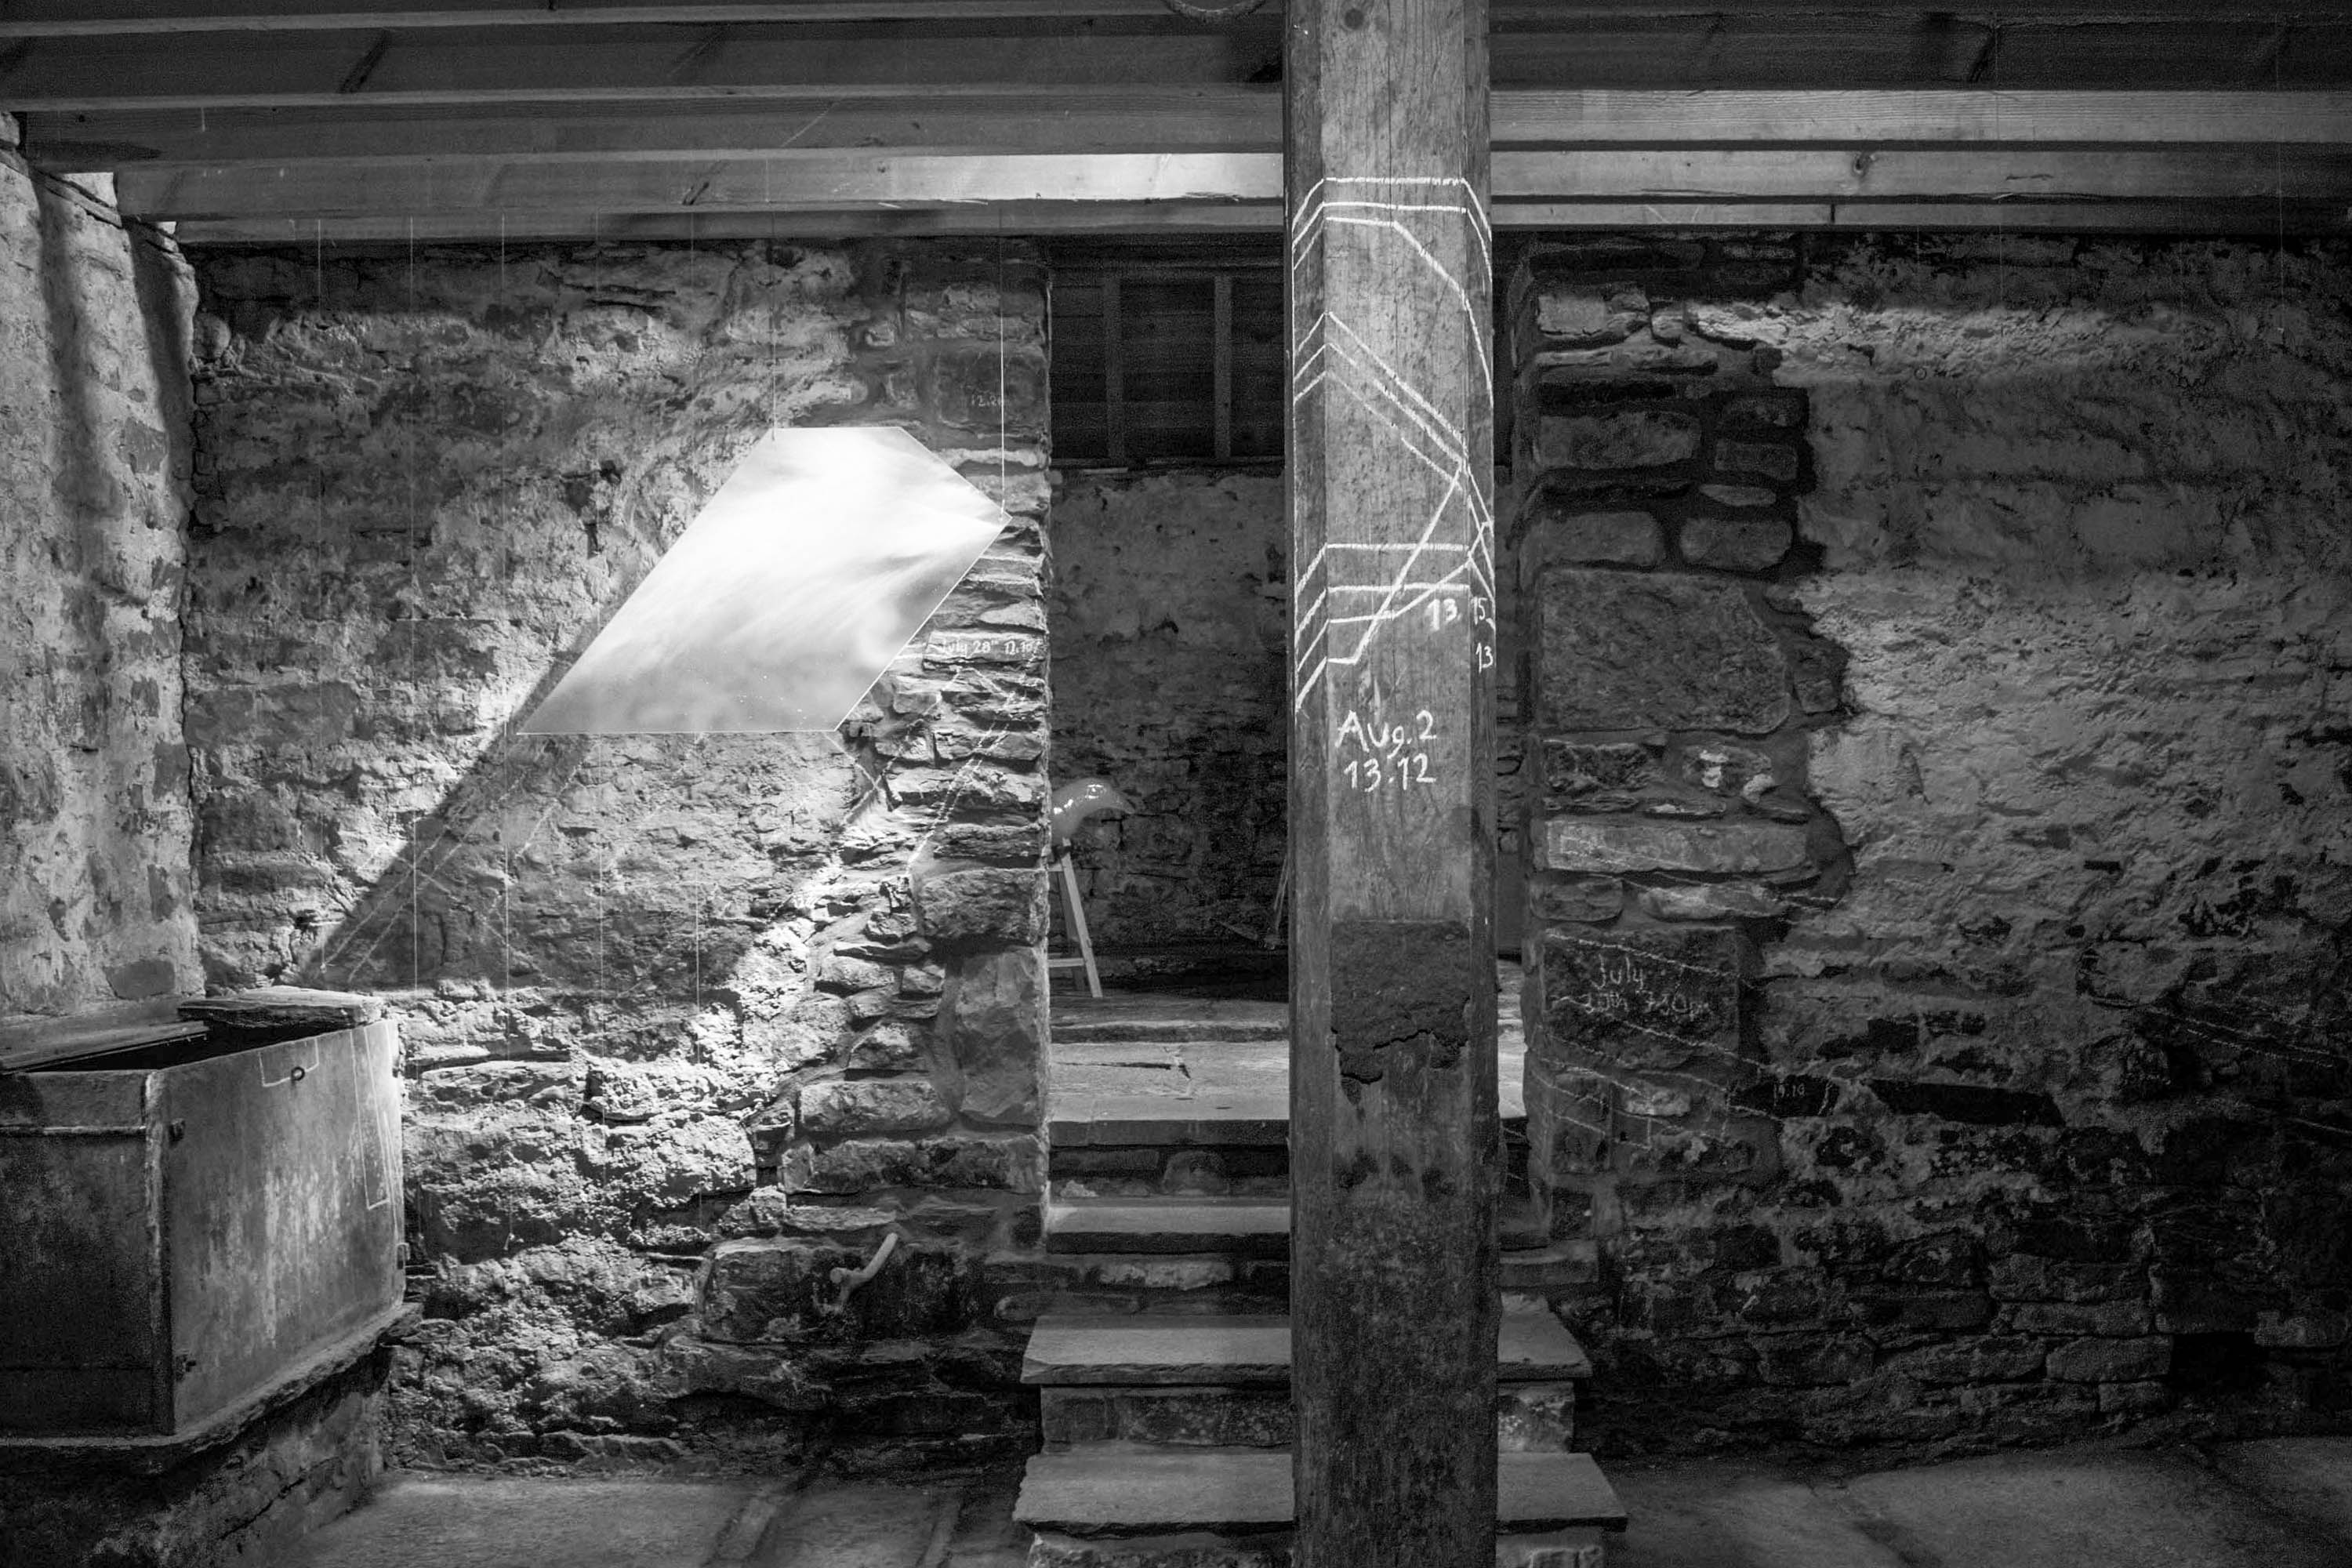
(1520, 1224)
(1022, 1286)
(1131, 1489)
(1581, 1546)
(1151, 1350)
(1530, 1417)
(1172, 1170)
(1544, 1271)
(1224, 1227)
(1213, 1119)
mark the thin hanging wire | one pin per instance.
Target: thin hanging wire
(415, 610)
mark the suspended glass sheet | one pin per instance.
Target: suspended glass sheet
(795, 586)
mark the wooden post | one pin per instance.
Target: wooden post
(1393, 1136)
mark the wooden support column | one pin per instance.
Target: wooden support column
(1393, 1136)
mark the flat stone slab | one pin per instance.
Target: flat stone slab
(1256, 1227)
(1118, 1489)
(477, 1521)
(1533, 1347)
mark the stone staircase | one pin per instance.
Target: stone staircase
(1161, 1346)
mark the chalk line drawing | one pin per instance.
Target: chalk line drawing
(1350, 593)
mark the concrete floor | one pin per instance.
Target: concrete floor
(2282, 1503)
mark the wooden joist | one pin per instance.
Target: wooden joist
(1172, 120)
(1532, 189)
(988, 220)
(790, 181)
(1169, 120)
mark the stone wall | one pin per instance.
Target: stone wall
(1169, 611)
(95, 902)
(690, 1022)
(1941, 856)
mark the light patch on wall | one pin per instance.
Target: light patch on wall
(789, 593)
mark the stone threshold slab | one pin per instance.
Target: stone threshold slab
(1532, 1347)
(1129, 1490)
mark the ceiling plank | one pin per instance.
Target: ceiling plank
(1013, 55)
(1602, 117)
(849, 180)
(91, 18)
(85, 19)
(1021, 54)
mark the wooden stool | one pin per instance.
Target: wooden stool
(1074, 909)
(1072, 804)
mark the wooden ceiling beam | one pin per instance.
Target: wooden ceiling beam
(833, 180)
(1177, 119)
(844, 180)
(2261, 220)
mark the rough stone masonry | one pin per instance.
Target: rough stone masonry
(94, 886)
(691, 1022)
(1938, 799)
